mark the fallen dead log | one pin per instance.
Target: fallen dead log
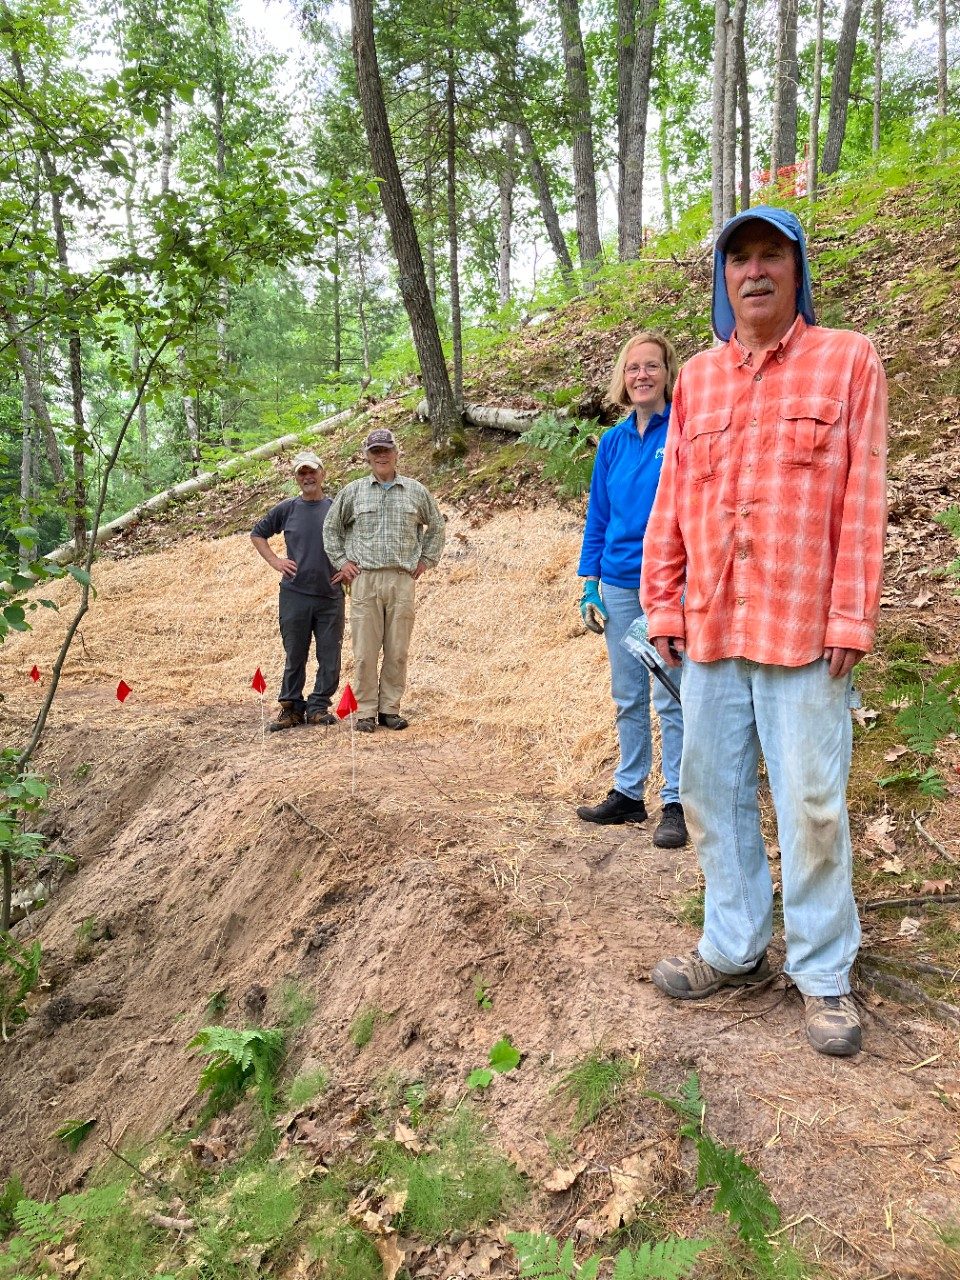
(67, 551)
(925, 900)
(515, 421)
(180, 1225)
(909, 992)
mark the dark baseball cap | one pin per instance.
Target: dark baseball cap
(380, 438)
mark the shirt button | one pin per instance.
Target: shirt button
(758, 377)
(741, 600)
(753, 423)
(744, 511)
(744, 554)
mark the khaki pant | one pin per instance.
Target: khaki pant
(382, 611)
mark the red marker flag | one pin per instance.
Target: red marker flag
(35, 674)
(346, 704)
(123, 691)
(258, 682)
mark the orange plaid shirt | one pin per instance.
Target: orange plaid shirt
(771, 510)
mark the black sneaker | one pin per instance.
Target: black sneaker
(616, 808)
(671, 832)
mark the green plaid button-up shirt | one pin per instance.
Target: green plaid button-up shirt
(384, 528)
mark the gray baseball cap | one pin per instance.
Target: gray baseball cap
(307, 458)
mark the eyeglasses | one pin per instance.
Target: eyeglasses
(652, 366)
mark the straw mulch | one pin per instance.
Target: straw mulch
(500, 656)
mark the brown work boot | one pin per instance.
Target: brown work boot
(288, 718)
(691, 978)
(365, 724)
(391, 721)
(833, 1025)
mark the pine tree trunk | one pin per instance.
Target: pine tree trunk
(721, 11)
(337, 317)
(26, 467)
(541, 185)
(877, 73)
(626, 40)
(840, 89)
(783, 140)
(663, 149)
(631, 237)
(444, 419)
(734, 16)
(584, 168)
(506, 182)
(743, 102)
(453, 240)
(816, 91)
(362, 306)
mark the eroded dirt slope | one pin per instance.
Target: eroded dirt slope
(393, 872)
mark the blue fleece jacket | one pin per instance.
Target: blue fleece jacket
(625, 478)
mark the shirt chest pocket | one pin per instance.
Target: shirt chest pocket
(706, 443)
(367, 516)
(806, 429)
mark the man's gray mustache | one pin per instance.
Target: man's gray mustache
(753, 290)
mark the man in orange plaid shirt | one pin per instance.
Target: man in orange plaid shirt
(762, 566)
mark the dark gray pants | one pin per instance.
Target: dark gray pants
(303, 618)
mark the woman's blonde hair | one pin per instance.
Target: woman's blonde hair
(617, 391)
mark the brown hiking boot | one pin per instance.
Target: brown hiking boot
(365, 724)
(288, 718)
(691, 978)
(833, 1025)
(320, 717)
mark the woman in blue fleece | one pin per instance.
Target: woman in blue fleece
(624, 484)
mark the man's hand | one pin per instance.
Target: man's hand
(422, 567)
(670, 649)
(349, 572)
(285, 566)
(842, 661)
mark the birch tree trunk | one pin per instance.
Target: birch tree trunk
(631, 233)
(720, 14)
(816, 91)
(584, 168)
(840, 89)
(362, 306)
(783, 140)
(444, 418)
(506, 182)
(942, 59)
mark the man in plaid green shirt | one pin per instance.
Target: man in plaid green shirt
(381, 533)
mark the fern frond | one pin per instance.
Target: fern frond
(670, 1259)
(740, 1191)
(541, 1258)
(40, 1222)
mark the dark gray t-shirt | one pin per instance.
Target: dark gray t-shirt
(301, 524)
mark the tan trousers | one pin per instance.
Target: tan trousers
(381, 618)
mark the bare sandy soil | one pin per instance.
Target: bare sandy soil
(395, 872)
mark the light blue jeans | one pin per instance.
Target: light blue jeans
(800, 718)
(630, 687)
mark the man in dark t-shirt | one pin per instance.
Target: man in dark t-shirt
(311, 605)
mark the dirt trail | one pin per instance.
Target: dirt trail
(212, 858)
